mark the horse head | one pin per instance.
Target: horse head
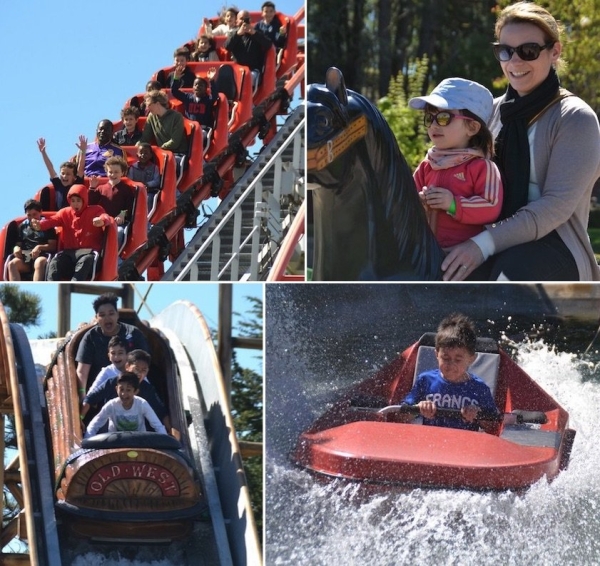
(368, 220)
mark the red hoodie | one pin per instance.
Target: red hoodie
(78, 230)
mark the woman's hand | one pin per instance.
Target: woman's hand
(461, 261)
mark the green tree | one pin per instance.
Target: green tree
(407, 124)
(247, 406)
(21, 307)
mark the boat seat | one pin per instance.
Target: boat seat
(130, 439)
(485, 366)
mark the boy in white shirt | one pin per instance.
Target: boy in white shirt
(126, 412)
(117, 355)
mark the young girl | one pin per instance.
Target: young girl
(458, 176)
(146, 171)
(228, 20)
(206, 49)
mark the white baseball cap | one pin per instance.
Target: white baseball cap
(458, 94)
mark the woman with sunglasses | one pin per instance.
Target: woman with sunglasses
(548, 150)
(457, 176)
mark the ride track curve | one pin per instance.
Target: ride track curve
(165, 240)
(230, 537)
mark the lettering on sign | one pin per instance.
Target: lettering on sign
(163, 478)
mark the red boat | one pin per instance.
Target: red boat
(361, 437)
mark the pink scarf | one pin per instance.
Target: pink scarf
(446, 158)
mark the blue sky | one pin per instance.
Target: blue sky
(67, 65)
(204, 295)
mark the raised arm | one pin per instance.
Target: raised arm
(41, 143)
(82, 146)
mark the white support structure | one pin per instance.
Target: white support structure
(242, 237)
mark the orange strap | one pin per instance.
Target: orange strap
(320, 157)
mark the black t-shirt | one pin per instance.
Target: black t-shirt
(93, 348)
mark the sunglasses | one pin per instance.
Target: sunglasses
(526, 52)
(442, 118)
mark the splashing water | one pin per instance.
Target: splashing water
(308, 522)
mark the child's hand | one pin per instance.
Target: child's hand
(469, 413)
(17, 252)
(282, 30)
(179, 70)
(423, 197)
(427, 409)
(94, 181)
(41, 143)
(439, 198)
(210, 74)
(98, 222)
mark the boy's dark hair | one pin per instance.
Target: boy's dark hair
(138, 356)
(129, 377)
(130, 111)
(267, 4)
(182, 51)
(32, 203)
(153, 85)
(146, 145)
(116, 341)
(202, 80)
(105, 299)
(69, 165)
(456, 331)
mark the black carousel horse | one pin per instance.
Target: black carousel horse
(369, 223)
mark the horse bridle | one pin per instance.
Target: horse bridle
(320, 157)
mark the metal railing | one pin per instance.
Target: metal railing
(242, 237)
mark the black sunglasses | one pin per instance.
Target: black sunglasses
(526, 51)
(442, 118)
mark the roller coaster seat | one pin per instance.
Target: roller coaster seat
(137, 229)
(106, 260)
(287, 58)
(235, 83)
(164, 199)
(267, 83)
(192, 167)
(9, 236)
(47, 196)
(219, 139)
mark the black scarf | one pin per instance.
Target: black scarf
(512, 144)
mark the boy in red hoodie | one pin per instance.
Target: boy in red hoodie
(82, 234)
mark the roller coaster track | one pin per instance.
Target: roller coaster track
(231, 538)
(166, 235)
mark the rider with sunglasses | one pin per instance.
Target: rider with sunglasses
(457, 176)
(548, 150)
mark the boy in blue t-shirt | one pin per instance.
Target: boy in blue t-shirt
(452, 386)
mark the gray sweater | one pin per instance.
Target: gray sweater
(566, 157)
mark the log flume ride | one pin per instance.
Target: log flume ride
(131, 488)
